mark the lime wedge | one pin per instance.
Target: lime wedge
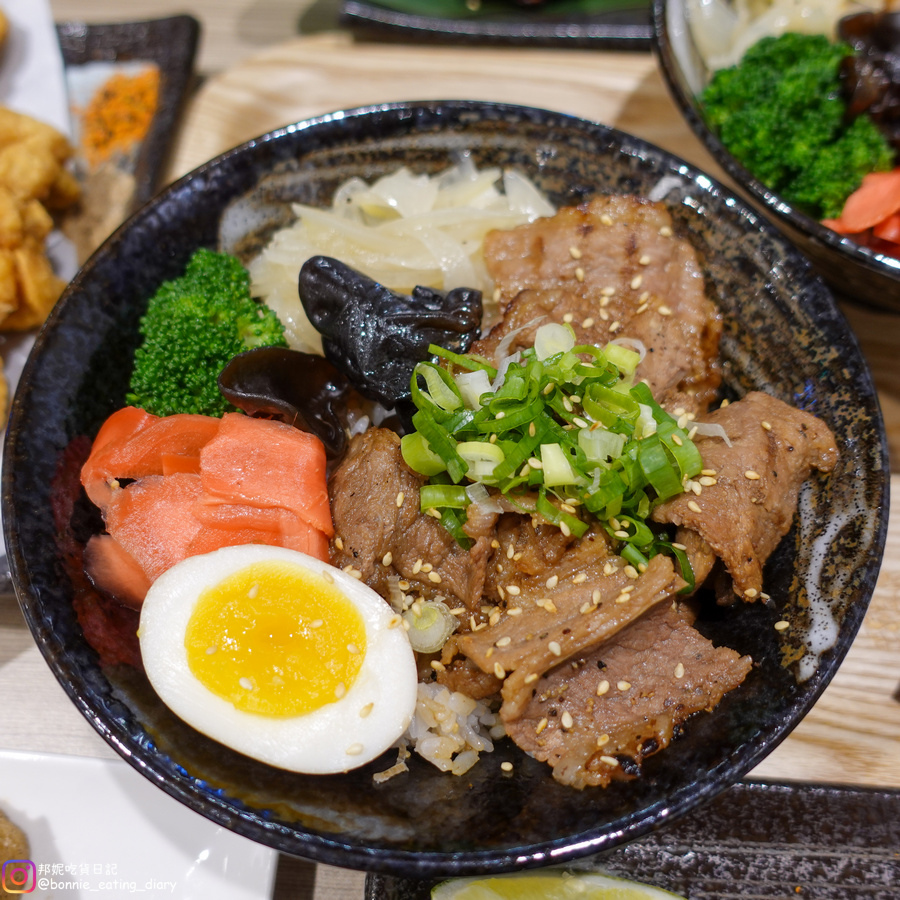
(556, 885)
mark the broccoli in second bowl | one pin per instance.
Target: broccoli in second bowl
(780, 113)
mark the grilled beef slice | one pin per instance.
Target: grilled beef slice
(749, 507)
(596, 717)
(611, 268)
(375, 507)
(557, 622)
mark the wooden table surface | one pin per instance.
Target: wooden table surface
(256, 80)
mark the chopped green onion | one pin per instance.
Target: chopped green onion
(600, 440)
(447, 496)
(556, 466)
(472, 386)
(551, 339)
(481, 457)
(430, 624)
(419, 456)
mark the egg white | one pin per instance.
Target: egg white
(336, 737)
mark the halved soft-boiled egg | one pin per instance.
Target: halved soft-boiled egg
(280, 657)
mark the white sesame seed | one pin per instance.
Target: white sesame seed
(399, 500)
(387, 559)
(434, 578)
(751, 475)
(607, 292)
(554, 648)
(665, 231)
(505, 641)
(579, 274)
(602, 688)
(645, 260)
(340, 690)
(513, 589)
(339, 542)
(352, 649)
(606, 219)
(575, 253)
(609, 760)
(623, 685)
(568, 318)
(602, 740)
(552, 581)
(364, 712)
(630, 572)
(499, 671)
(565, 529)
(246, 684)
(531, 678)
(766, 425)
(354, 749)
(708, 481)
(507, 766)
(782, 625)
(587, 323)
(438, 666)
(665, 311)
(580, 578)
(328, 577)
(679, 671)
(566, 720)
(693, 506)
(541, 726)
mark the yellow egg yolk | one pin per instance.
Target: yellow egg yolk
(275, 639)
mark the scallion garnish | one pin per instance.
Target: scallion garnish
(563, 422)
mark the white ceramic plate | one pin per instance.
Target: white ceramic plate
(98, 829)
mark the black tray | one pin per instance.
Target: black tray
(765, 841)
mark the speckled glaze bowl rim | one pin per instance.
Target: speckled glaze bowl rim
(345, 853)
(870, 260)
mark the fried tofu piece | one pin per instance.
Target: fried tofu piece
(39, 288)
(33, 181)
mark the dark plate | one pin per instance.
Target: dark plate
(782, 333)
(759, 840)
(171, 44)
(858, 273)
(607, 24)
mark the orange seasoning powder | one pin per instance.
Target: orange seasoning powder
(119, 115)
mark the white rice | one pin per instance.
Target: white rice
(449, 729)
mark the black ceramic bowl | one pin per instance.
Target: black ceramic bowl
(856, 272)
(782, 334)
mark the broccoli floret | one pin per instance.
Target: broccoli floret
(781, 114)
(193, 326)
